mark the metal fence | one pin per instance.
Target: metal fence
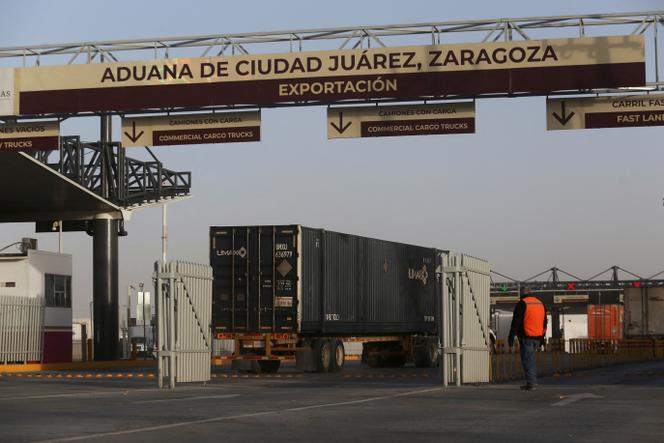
(184, 314)
(582, 354)
(465, 319)
(21, 329)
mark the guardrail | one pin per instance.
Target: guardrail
(561, 357)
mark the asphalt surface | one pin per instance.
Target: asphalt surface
(624, 403)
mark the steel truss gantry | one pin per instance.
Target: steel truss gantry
(459, 31)
(104, 169)
(550, 281)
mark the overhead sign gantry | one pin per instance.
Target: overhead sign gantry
(505, 62)
(406, 72)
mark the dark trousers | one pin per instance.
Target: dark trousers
(528, 349)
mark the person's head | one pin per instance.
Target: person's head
(523, 291)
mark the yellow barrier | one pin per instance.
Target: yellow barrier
(88, 365)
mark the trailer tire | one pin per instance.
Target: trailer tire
(370, 355)
(268, 366)
(339, 356)
(394, 361)
(425, 355)
(323, 350)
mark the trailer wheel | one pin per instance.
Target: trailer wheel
(339, 356)
(426, 355)
(395, 361)
(268, 366)
(371, 351)
(324, 355)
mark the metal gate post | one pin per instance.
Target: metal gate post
(172, 300)
(442, 321)
(160, 327)
(457, 322)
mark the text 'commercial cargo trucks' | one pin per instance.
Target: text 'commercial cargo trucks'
(291, 291)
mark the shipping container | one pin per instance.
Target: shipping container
(605, 322)
(284, 289)
(644, 312)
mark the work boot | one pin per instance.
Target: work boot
(527, 387)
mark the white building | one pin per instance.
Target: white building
(44, 277)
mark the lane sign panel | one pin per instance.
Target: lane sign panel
(191, 129)
(384, 121)
(618, 111)
(404, 72)
(32, 136)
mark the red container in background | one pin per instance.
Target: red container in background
(605, 322)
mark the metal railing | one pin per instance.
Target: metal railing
(110, 174)
(21, 329)
(564, 357)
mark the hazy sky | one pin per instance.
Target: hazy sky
(513, 193)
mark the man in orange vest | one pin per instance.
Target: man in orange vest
(529, 324)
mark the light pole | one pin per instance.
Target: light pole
(145, 337)
(127, 347)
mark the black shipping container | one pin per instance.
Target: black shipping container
(316, 282)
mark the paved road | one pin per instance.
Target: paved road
(619, 404)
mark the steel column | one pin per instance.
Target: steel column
(105, 288)
(556, 330)
(105, 262)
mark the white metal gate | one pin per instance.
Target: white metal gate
(21, 329)
(184, 314)
(465, 304)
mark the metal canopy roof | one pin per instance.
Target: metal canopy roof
(34, 192)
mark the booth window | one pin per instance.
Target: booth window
(58, 291)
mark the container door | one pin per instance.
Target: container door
(255, 279)
(279, 279)
(229, 259)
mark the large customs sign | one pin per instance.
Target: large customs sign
(331, 76)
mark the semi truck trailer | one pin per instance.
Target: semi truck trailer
(290, 291)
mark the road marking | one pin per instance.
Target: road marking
(574, 398)
(75, 394)
(234, 417)
(200, 397)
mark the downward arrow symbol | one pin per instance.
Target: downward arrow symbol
(133, 137)
(341, 128)
(564, 119)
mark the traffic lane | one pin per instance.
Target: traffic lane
(459, 414)
(115, 406)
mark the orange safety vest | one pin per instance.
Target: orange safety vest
(533, 318)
